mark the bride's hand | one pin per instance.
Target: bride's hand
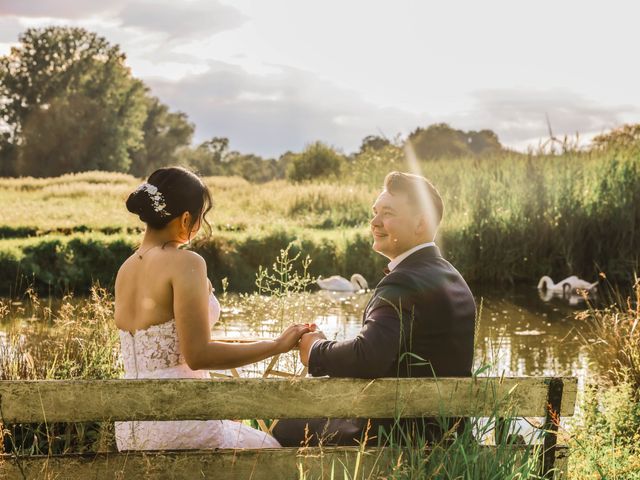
(291, 336)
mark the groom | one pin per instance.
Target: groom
(422, 306)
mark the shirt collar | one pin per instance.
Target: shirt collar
(396, 261)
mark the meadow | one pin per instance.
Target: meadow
(509, 219)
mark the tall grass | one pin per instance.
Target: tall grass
(77, 340)
(508, 219)
(616, 330)
(605, 436)
(454, 453)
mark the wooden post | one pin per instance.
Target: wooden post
(551, 424)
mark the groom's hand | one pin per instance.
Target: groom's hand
(306, 342)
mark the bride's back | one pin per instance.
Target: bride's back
(143, 291)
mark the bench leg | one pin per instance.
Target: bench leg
(551, 424)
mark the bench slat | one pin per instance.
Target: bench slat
(266, 464)
(102, 400)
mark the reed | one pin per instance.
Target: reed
(77, 339)
(615, 330)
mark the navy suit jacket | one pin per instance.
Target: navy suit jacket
(420, 322)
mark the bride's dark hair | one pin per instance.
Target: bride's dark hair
(180, 191)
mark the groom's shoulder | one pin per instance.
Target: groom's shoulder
(425, 276)
(395, 284)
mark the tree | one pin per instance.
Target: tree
(440, 140)
(164, 134)
(316, 161)
(624, 137)
(208, 158)
(68, 104)
(484, 142)
(437, 141)
(251, 167)
(283, 164)
(373, 142)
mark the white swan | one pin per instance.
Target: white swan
(336, 283)
(568, 286)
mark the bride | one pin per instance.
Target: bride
(164, 310)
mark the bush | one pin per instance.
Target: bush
(56, 264)
(316, 161)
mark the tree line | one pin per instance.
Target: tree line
(69, 103)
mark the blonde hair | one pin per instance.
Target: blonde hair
(419, 190)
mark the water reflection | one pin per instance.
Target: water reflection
(571, 298)
(518, 334)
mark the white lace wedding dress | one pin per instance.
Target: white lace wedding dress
(155, 353)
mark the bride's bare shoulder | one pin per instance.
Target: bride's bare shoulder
(127, 265)
(189, 259)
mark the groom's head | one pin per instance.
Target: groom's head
(406, 213)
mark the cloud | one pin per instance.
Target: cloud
(269, 114)
(184, 19)
(519, 116)
(10, 28)
(272, 109)
(71, 9)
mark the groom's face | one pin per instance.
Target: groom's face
(395, 224)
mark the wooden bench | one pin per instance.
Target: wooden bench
(110, 400)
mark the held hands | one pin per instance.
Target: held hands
(291, 336)
(306, 342)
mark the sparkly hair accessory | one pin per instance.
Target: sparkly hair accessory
(157, 199)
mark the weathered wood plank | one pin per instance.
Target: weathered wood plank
(95, 400)
(267, 464)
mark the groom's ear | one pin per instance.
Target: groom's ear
(422, 224)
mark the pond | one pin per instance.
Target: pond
(519, 333)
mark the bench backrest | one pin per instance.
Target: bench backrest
(172, 399)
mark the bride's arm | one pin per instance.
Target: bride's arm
(190, 308)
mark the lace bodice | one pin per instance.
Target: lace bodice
(154, 352)
(150, 352)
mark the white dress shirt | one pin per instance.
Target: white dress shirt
(396, 261)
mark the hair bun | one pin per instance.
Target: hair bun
(148, 203)
(135, 202)
(167, 194)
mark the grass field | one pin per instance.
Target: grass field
(508, 219)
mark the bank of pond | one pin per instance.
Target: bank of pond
(56, 264)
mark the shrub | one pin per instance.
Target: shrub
(316, 161)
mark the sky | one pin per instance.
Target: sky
(275, 75)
